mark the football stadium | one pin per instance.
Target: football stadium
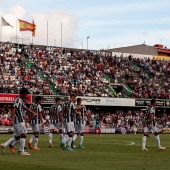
(68, 102)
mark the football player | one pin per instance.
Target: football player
(11, 146)
(69, 111)
(35, 121)
(79, 124)
(150, 124)
(55, 121)
(97, 125)
(18, 123)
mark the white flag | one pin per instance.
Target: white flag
(5, 23)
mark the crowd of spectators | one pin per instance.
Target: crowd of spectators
(127, 118)
(146, 78)
(5, 114)
(88, 73)
(120, 118)
(85, 73)
(157, 81)
(14, 73)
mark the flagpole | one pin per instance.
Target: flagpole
(16, 29)
(47, 32)
(1, 28)
(61, 34)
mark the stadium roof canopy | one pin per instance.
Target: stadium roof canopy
(137, 49)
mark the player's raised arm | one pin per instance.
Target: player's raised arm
(80, 107)
(28, 110)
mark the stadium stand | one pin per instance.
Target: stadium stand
(146, 78)
(71, 73)
(85, 73)
(16, 72)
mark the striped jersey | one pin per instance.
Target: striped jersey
(18, 104)
(152, 111)
(68, 111)
(35, 120)
(54, 113)
(79, 118)
(147, 121)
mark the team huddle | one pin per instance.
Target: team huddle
(68, 117)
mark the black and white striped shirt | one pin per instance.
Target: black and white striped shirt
(152, 111)
(54, 113)
(68, 111)
(35, 120)
(18, 104)
(79, 118)
(146, 118)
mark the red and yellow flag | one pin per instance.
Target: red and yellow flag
(26, 26)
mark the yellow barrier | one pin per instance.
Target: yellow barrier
(165, 58)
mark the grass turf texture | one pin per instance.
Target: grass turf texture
(108, 152)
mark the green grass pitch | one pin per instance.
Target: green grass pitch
(109, 152)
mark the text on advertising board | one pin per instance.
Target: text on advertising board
(9, 98)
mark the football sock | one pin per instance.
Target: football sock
(35, 141)
(66, 138)
(74, 137)
(144, 142)
(61, 137)
(15, 142)
(158, 141)
(21, 145)
(50, 136)
(69, 141)
(32, 138)
(81, 140)
(9, 141)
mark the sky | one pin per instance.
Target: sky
(109, 23)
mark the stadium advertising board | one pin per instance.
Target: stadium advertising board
(166, 130)
(143, 102)
(49, 99)
(90, 130)
(102, 101)
(9, 98)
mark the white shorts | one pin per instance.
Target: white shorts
(20, 129)
(69, 127)
(79, 128)
(147, 129)
(57, 125)
(35, 128)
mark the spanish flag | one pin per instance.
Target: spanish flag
(26, 26)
